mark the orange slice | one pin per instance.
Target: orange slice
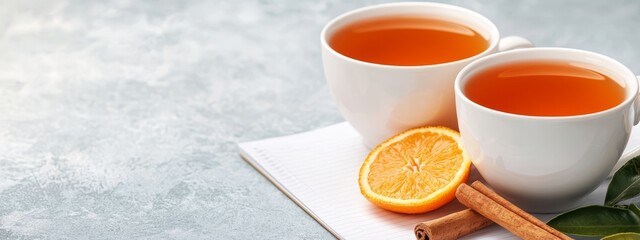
(415, 171)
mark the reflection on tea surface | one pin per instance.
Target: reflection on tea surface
(407, 41)
(544, 88)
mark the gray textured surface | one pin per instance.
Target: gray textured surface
(120, 120)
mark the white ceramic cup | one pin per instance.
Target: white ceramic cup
(380, 101)
(547, 164)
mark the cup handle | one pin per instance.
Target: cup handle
(636, 107)
(513, 42)
(635, 151)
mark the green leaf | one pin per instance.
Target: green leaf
(623, 236)
(597, 221)
(634, 209)
(625, 183)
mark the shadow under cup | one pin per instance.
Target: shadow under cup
(546, 164)
(380, 101)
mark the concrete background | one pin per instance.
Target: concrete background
(120, 119)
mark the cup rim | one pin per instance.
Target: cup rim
(625, 72)
(494, 34)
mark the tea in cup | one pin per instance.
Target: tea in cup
(545, 126)
(391, 67)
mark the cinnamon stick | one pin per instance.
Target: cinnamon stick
(502, 215)
(505, 203)
(452, 226)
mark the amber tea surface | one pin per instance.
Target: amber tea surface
(407, 41)
(544, 88)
